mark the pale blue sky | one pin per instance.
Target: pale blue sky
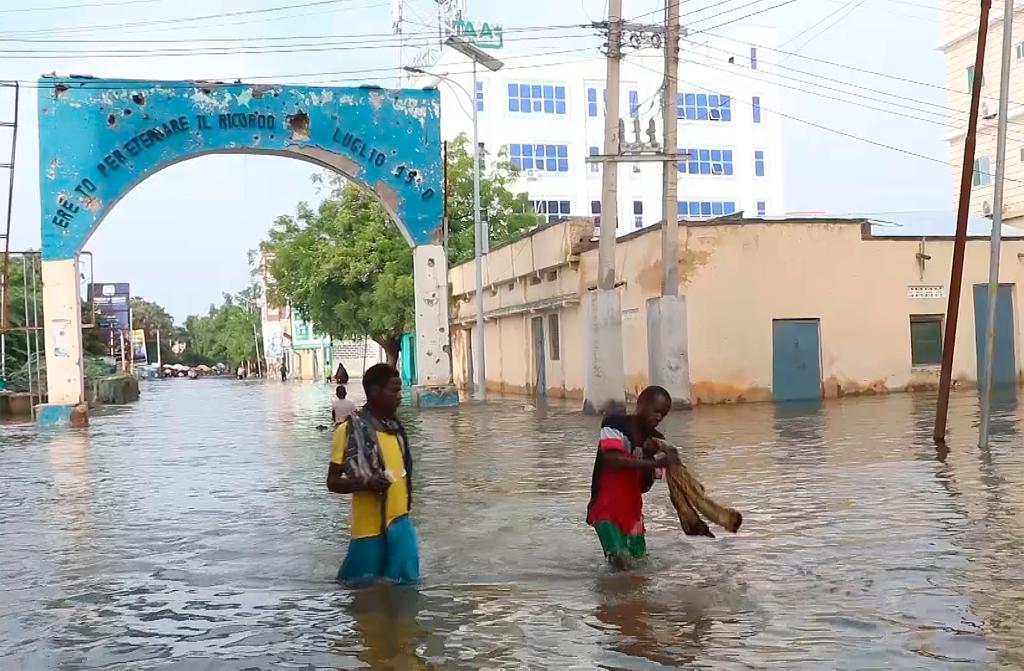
(181, 237)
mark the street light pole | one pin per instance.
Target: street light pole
(480, 246)
(478, 254)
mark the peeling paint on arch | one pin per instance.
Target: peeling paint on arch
(99, 138)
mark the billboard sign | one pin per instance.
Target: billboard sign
(113, 311)
(139, 346)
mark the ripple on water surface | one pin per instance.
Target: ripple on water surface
(193, 531)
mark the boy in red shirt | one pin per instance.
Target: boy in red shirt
(628, 459)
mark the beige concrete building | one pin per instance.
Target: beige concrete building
(959, 43)
(799, 308)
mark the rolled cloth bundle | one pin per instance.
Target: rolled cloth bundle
(691, 502)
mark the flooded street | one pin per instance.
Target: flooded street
(193, 531)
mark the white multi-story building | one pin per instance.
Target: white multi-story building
(959, 46)
(547, 113)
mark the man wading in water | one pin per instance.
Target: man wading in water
(628, 457)
(370, 460)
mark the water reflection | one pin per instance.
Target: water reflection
(385, 619)
(173, 534)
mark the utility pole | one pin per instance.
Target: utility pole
(610, 174)
(670, 171)
(605, 374)
(960, 243)
(997, 225)
(667, 364)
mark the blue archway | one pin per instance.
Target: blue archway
(99, 138)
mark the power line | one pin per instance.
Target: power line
(745, 16)
(246, 79)
(299, 47)
(856, 103)
(829, 79)
(829, 129)
(271, 38)
(850, 7)
(54, 8)
(188, 19)
(947, 111)
(844, 66)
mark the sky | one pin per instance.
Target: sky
(181, 237)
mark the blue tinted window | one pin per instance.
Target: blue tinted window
(634, 104)
(706, 161)
(536, 99)
(705, 209)
(548, 157)
(759, 163)
(756, 105)
(761, 208)
(595, 167)
(479, 96)
(704, 107)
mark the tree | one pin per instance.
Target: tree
(227, 333)
(154, 320)
(346, 268)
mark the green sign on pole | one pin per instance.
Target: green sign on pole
(486, 37)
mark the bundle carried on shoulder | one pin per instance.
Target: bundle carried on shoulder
(690, 502)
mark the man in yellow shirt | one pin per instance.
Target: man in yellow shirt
(370, 460)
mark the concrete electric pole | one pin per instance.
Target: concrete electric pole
(605, 376)
(667, 364)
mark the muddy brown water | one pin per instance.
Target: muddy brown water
(193, 531)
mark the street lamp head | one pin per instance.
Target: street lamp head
(474, 53)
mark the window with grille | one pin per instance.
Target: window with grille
(925, 340)
(554, 338)
(551, 210)
(638, 214)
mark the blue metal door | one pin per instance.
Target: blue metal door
(541, 385)
(796, 362)
(1004, 362)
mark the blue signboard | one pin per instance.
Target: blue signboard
(112, 305)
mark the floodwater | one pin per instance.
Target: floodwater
(193, 531)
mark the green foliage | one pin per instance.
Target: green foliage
(346, 267)
(227, 333)
(508, 215)
(24, 281)
(153, 319)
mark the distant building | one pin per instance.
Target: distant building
(959, 43)
(776, 308)
(546, 114)
(293, 342)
